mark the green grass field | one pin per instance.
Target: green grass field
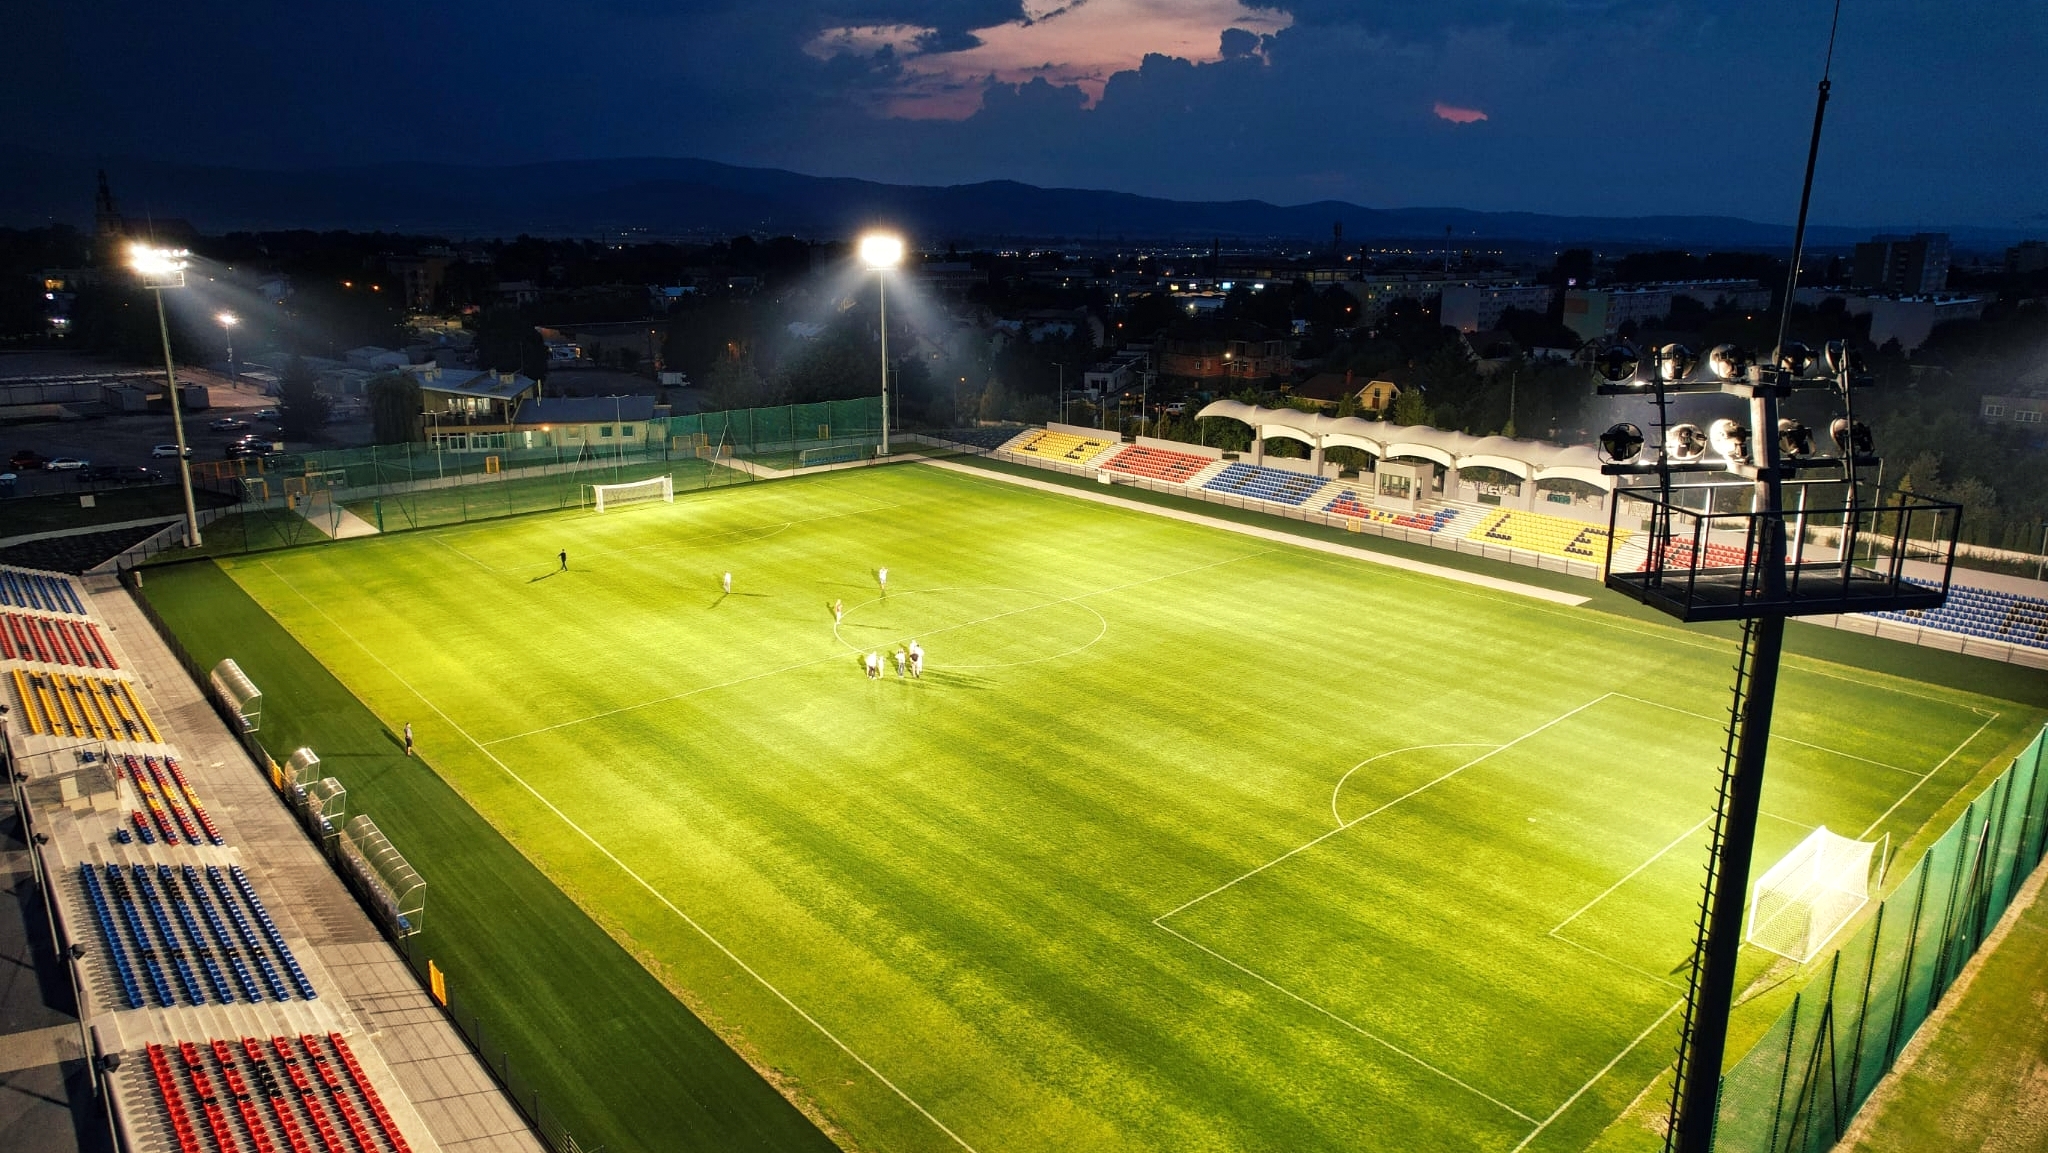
(1185, 839)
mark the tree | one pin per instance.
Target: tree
(735, 384)
(505, 342)
(394, 407)
(301, 408)
(1412, 408)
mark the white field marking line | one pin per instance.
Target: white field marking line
(1100, 632)
(1776, 737)
(1497, 584)
(1389, 753)
(1351, 1025)
(1595, 1079)
(764, 531)
(1953, 753)
(1632, 874)
(842, 656)
(1617, 962)
(1416, 791)
(458, 552)
(628, 870)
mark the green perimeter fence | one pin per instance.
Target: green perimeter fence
(1797, 1090)
(298, 498)
(525, 1095)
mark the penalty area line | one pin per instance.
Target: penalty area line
(1595, 1078)
(628, 870)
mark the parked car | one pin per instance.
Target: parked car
(123, 474)
(251, 445)
(65, 464)
(169, 450)
(27, 458)
(265, 414)
(227, 424)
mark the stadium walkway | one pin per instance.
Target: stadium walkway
(449, 1088)
(1415, 566)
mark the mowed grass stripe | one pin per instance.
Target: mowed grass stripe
(958, 876)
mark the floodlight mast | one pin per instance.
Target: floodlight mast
(882, 251)
(162, 268)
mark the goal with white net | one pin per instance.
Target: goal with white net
(1806, 898)
(609, 496)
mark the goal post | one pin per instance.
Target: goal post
(1801, 902)
(604, 497)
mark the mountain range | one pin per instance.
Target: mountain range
(685, 198)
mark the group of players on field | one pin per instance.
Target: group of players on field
(909, 659)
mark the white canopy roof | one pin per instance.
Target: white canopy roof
(1529, 459)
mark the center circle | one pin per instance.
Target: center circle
(982, 627)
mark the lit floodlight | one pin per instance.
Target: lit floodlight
(1622, 443)
(1857, 437)
(1618, 363)
(1795, 358)
(1729, 439)
(228, 319)
(1685, 442)
(1794, 438)
(149, 260)
(1675, 362)
(881, 250)
(1728, 362)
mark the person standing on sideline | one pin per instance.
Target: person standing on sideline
(902, 658)
(565, 561)
(408, 738)
(726, 583)
(882, 579)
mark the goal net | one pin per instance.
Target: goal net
(1807, 897)
(609, 496)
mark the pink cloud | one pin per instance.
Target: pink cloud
(1457, 115)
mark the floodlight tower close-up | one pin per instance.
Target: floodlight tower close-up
(882, 251)
(1760, 565)
(162, 268)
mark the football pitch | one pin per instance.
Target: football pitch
(1184, 839)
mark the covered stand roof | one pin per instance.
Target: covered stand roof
(1529, 459)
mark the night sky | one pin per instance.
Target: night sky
(1565, 106)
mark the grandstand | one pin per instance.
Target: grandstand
(1350, 503)
(1259, 482)
(1058, 447)
(1157, 464)
(39, 591)
(1538, 532)
(1986, 614)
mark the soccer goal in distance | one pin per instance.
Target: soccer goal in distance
(604, 497)
(1801, 902)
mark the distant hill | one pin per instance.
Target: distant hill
(684, 197)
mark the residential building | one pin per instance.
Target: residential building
(470, 409)
(1476, 307)
(591, 425)
(1328, 389)
(1594, 313)
(1376, 290)
(2027, 256)
(2021, 410)
(1211, 357)
(1915, 265)
(1910, 320)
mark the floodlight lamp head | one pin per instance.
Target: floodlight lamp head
(881, 250)
(1854, 439)
(158, 267)
(1727, 362)
(1795, 358)
(1617, 363)
(1730, 440)
(1794, 438)
(228, 319)
(1685, 442)
(1622, 443)
(1675, 362)
(1836, 354)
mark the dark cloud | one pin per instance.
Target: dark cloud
(1238, 42)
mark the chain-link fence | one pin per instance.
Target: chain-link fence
(285, 499)
(1797, 1090)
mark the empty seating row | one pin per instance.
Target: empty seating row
(82, 707)
(1061, 446)
(1550, 535)
(1986, 614)
(1678, 554)
(54, 641)
(1349, 502)
(175, 926)
(170, 800)
(1279, 485)
(276, 1112)
(1157, 464)
(44, 592)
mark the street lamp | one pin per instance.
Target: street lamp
(228, 321)
(162, 268)
(882, 251)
